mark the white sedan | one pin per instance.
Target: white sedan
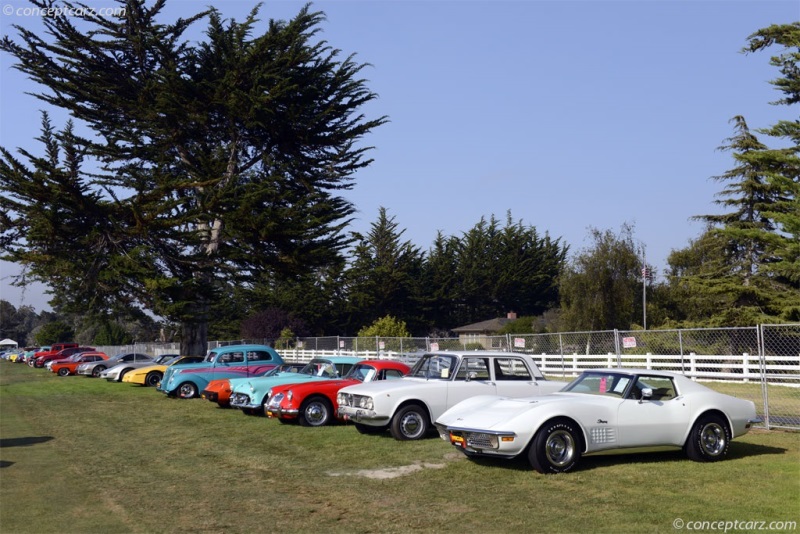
(439, 380)
(602, 410)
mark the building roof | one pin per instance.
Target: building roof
(484, 327)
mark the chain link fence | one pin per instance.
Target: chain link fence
(759, 363)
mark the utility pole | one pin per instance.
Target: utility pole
(644, 289)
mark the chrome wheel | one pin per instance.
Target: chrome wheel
(410, 422)
(315, 413)
(187, 390)
(560, 448)
(556, 447)
(709, 440)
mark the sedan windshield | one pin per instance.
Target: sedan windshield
(434, 366)
(361, 372)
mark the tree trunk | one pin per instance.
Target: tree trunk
(194, 338)
(194, 331)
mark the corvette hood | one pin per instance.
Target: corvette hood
(495, 412)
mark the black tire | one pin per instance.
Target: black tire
(410, 423)
(187, 390)
(119, 378)
(63, 371)
(152, 379)
(709, 439)
(556, 447)
(97, 370)
(368, 429)
(315, 411)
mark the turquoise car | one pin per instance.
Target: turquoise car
(234, 361)
(252, 394)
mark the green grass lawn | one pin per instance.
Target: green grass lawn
(81, 455)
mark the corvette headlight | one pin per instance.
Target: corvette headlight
(252, 389)
(289, 395)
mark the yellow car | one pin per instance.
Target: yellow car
(151, 375)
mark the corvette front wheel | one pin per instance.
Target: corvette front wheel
(556, 447)
(152, 379)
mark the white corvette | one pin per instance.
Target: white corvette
(602, 410)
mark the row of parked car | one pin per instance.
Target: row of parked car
(485, 403)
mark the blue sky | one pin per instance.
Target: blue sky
(568, 114)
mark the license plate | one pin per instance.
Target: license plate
(458, 441)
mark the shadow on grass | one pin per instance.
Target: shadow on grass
(24, 442)
(737, 451)
(21, 442)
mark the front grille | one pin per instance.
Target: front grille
(240, 398)
(479, 440)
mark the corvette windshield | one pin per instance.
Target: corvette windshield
(434, 366)
(612, 384)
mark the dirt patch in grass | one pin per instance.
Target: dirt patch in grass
(396, 472)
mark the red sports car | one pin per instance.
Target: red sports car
(314, 403)
(68, 366)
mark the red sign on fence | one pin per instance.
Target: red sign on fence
(629, 342)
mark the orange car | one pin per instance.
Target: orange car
(67, 367)
(219, 390)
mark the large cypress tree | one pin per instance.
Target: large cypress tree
(208, 163)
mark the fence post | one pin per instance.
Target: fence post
(762, 363)
(692, 365)
(746, 367)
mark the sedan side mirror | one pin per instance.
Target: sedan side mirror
(647, 394)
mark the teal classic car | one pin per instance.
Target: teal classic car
(251, 394)
(234, 361)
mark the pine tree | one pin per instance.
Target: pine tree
(383, 277)
(212, 163)
(782, 166)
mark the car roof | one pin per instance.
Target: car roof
(241, 347)
(466, 353)
(631, 371)
(338, 359)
